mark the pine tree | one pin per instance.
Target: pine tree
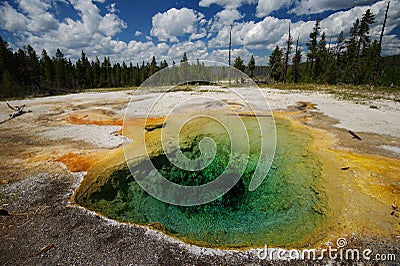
(321, 59)
(136, 75)
(163, 64)
(340, 57)
(184, 58)
(312, 47)
(7, 64)
(357, 46)
(125, 75)
(7, 84)
(105, 75)
(96, 69)
(47, 70)
(81, 70)
(33, 70)
(364, 55)
(70, 82)
(363, 32)
(20, 60)
(5, 55)
(331, 71)
(296, 62)
(239, 64)
(153, 66)
(252, 66)
(276, 65)
(59, 67)
(351, 53)
(89, 74)
(184, 69)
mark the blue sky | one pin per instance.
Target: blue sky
(133, 31)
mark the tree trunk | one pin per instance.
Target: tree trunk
(378, 53)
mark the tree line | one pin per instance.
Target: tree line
(356, 60)
(352, 60)
(24, 73)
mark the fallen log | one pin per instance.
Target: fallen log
(17, 111)
(45, 249)
(354, 135)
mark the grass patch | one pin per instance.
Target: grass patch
(183, 88)
(358, 93)
(60, 93)
(109, 89)
(212, 90)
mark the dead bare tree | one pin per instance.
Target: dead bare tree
(17, 111)
(379, 49)
(230, 48)
(288, 50)
(296, 61)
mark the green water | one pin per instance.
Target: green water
(286, 208)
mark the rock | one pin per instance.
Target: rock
(4, 212)
(45, 249)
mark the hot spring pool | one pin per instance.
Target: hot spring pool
(288, 207)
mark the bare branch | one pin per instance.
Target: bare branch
(12, 108)
(18, 110)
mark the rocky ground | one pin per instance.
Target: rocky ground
(43, 228)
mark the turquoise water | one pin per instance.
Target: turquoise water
(285, 209)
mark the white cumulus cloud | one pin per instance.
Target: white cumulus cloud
(34, 22)
(194, 50)
(266, 7)
(176, 31)
(253, 35)
(298, 7)
(11, 19)
(175, 23)
(231, 4)
(319, 6)
(271, 31)
(224, 18)
(222, 55)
